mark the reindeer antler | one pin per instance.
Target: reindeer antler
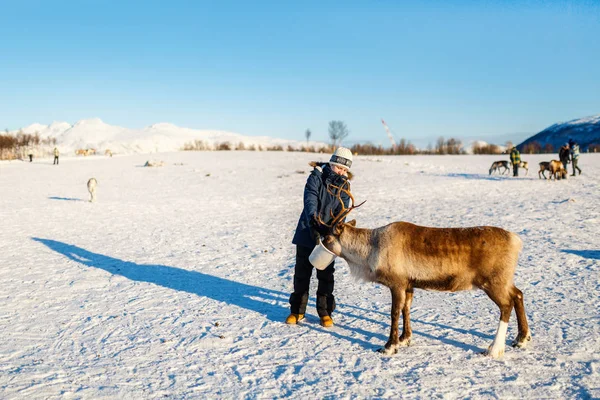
(344, 188)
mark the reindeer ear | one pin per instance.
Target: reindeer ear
(338, 229)
(352, 223)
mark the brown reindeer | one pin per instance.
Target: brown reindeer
(556, 169)
(405, 257)
(544, 166)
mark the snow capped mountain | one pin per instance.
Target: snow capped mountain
(159, 137)
(585, 131)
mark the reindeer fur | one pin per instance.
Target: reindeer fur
(404, 257)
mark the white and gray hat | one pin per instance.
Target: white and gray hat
(342, 157)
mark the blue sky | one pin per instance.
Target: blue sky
(469, 69)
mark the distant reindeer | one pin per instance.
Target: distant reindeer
(404, 257)
(91, 185)
(525, 166)
(496, 165)
(544, 166)
(556, 169)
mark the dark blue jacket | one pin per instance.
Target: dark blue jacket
(318, 201)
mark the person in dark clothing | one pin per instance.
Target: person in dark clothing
(515, 159)
(564, 154)
(318, 202)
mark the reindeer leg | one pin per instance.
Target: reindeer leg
(406, 330)
(505, 302)
(398, 296)
(524, 336)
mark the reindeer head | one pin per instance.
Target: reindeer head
(332, 232)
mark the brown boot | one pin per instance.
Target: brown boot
(326, 321)
(293, 319)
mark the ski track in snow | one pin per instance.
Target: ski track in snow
(176, 282)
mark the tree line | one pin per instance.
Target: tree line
(20, 145)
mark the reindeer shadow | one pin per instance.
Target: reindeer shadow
(591, 254)
(253, 298)
(486, 177)
(64, 198)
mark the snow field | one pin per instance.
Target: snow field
(175, 282)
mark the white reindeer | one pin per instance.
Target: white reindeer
(91, 185)
(404, 257)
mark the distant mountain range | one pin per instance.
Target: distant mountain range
(585, 131)
(161, 137)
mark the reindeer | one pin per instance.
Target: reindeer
(405, 257)
(496, 165)
(91, 185)
(525, 166)
(557, 170)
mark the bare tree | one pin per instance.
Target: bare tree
(307, 134)
(338, 131)
(440, 147)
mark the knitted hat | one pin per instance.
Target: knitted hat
(342, 158)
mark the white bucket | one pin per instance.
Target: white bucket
(321, 257)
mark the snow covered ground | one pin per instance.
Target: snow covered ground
(176, 282)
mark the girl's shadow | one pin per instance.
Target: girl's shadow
(240, 294)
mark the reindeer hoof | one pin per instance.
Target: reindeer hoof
(494, 353)
(388, 351)
(521, 343)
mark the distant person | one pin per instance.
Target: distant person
(515, 159)
(575, 156)
(56, 153)
(318, 201)
(564, 155)
(30, 157)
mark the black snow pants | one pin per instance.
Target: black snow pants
(515, 169)
(302, 274)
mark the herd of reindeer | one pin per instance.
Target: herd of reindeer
(555, 168)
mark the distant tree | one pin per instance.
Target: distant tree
(440, 147)
(307, 134)
(532, 148)
(548, 148)
(338, 131)
(453, 146)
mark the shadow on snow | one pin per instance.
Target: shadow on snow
(253, 298)
(591, 254)
(64, 198)
(486, 177)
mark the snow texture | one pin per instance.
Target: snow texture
(175, 282)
